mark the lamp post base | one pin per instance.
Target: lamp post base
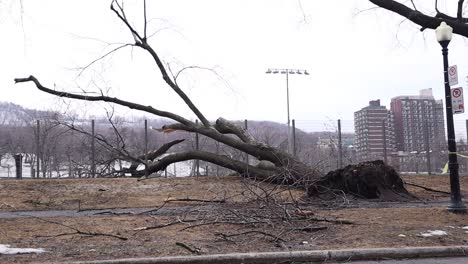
(457, 207)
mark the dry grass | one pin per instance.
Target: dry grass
(373, 227)
(72, 194)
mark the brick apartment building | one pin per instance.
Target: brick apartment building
(418, 120)
(374, 132)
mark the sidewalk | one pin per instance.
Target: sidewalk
(298, 256)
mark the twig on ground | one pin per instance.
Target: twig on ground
(114, 213)
(77, 231)
(84, 233)
(310, 228)
(339, 222)
(194, 250)
(156, 209)
(426, 188)
(178, 221)
(226, 236)
(222, 222)
(7, 205)
(195, 200)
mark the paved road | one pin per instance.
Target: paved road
(172, 210)
(462, 260)
(168, 210)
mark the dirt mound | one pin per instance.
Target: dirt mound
(370, 180)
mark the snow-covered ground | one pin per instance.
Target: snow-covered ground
(180, 169)
(7, 249)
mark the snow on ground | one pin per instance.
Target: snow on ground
(6, 249)
(179, 169)
(430, 233)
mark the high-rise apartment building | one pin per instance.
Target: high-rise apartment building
(374, 132)
(419, 120)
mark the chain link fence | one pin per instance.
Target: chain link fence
(51, 149)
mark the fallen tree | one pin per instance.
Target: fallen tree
(283, 168)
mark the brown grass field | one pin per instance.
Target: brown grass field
(219, 215)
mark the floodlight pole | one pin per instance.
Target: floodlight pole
(287, 72)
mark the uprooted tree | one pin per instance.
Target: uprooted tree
(276, 166)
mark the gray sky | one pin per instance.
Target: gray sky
(352, 56)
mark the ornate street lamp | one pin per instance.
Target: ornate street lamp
(444, 35)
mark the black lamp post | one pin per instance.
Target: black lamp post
(444, 35)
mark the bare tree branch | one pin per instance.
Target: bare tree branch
(154, 154)
(226, 127)
(414, 6)
(460, 10)
(173, 85)
(115, 100)
(123, 18)
(241, 167)
(423, 20)
(145, 20)
(103, 56)
(142, 43)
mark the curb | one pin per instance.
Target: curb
(297, 256)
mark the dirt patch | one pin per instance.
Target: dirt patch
(254, 217)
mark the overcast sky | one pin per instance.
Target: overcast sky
(352, 55)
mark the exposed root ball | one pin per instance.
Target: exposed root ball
(368, 180)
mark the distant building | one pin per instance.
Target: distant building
(374, 132)
(417, 117)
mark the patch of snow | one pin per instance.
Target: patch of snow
(450, 226)
(430, 233)
(6, 249)
(465, 227)
(401, 235)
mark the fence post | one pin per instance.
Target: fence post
(197, 148)
(38, 148)
(70, 167)
(294, 137)
(19, 166)
(246, 154)
(384, 131)
(93, 151)
(467, 131)
(428, 153)
(217, 153)
(146, 148)
(340, 146)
